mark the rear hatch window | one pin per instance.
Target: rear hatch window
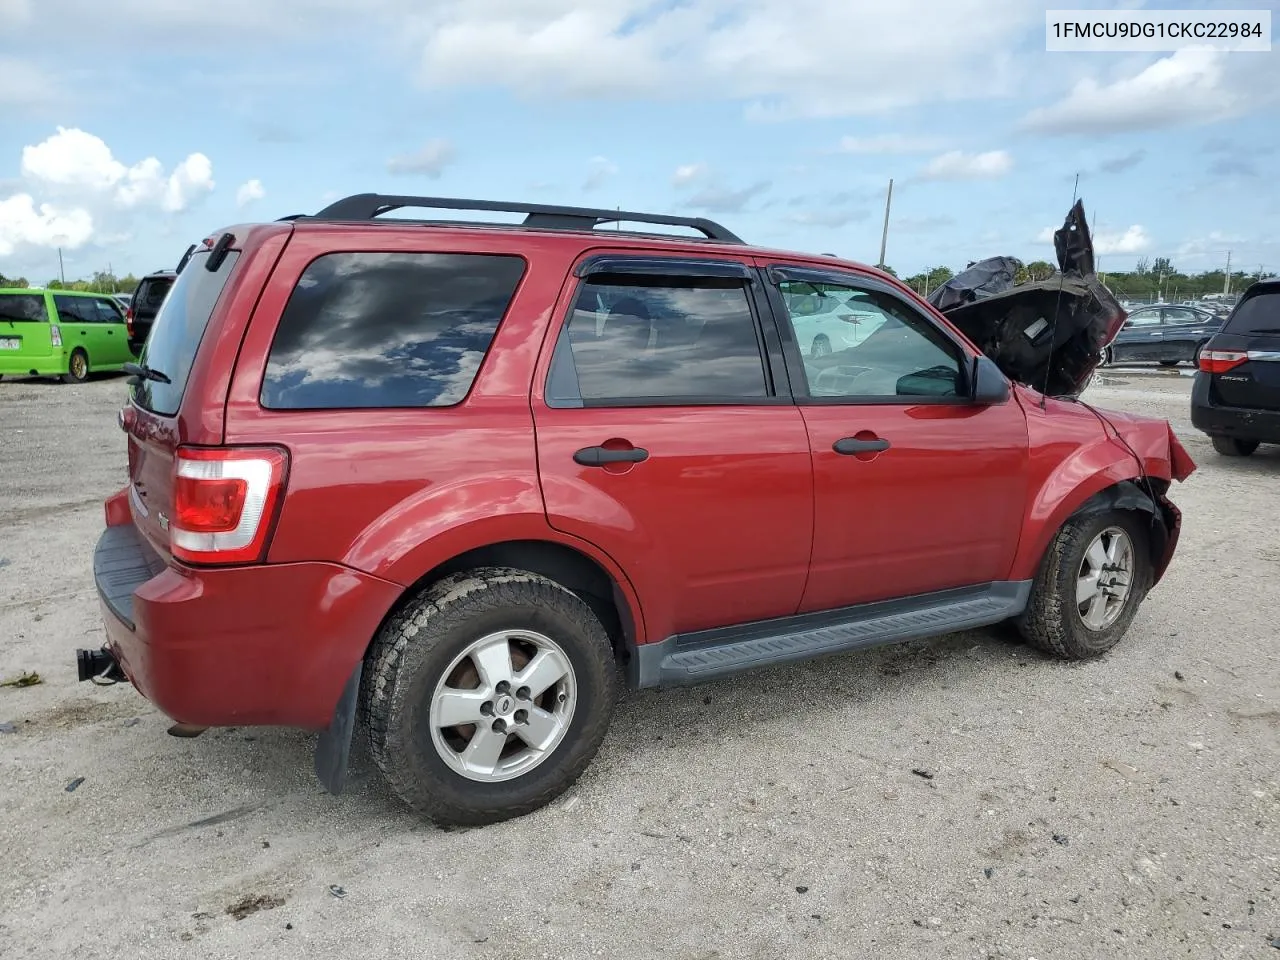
(1257, 315)
(19, 315)
(177, 331)
(149, 296)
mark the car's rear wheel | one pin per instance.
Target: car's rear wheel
(486, 697)
(1108, 358)
(1231, 447)
(820, 347)
(77, 367)
(1094, 576)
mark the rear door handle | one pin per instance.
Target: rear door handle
(601, 456)
(848, 446)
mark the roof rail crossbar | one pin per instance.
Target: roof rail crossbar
(368, 206)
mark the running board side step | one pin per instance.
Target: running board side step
(708, 654)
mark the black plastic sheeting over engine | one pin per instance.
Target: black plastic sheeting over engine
(1049, 335)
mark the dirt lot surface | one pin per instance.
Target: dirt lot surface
(961, 797)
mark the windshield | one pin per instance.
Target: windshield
(177, 332)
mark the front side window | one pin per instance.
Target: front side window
(655, 339)
(865, 343)
(387, 330)
(108, 312)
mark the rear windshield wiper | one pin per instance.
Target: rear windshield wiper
(143, 372)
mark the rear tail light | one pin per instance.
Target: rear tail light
(225, 502)
(1220, 361)
(128, 322)
(55, 335)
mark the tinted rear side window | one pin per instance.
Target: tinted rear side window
(673, 340)
(75, 309)
(23, 308)
(387, 330)
(1257, 314)
(178, 329)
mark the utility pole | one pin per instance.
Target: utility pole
(62, 276)
(884, 236)
(1226, 284)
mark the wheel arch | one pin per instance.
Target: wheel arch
(1137, 494)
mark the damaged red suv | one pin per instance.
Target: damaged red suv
(447, 478)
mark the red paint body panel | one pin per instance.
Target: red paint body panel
(740, 513)
(260, 645)
(715, 528)
(942, 507)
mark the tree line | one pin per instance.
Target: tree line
(102, 281)
(1151, 279)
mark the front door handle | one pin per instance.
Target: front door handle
(602, 456)
(851, 446)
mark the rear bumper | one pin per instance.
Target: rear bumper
(1240, 423)
(17, 364)
(270, 644)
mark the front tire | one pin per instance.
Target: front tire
(77, 367)
(1094, 576)
(487, 697)
(1231, 447)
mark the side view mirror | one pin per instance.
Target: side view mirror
(987, 384)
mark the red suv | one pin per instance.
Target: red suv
(449, 477)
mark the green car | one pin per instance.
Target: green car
(61, 333)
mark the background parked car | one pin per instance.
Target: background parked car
(62, 333)
(146, 303)
(1236, 397)
(124, 299)
(1167, 334)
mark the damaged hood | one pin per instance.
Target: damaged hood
(1050, 334)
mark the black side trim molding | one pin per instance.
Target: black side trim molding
(705, 655)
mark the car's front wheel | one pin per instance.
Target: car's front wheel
(1094, 576)
(486, 697)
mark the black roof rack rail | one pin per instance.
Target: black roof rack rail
(368, 206)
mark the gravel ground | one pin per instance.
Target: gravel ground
(961, 797)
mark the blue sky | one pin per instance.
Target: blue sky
(134, 127)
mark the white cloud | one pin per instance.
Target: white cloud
(1187, 87)
(250, 191)
(792, 59)
(430, 161)
(688, 173)
(958, 165)
(71, 185)
(75, 163)
(23, 223)
(1133, 239)
(600, 169)
(887, 143)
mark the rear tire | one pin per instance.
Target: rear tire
(77, 367)
(1108, 358)
(439, 654)
(1231, 447)
(1057, 618)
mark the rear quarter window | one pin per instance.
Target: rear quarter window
(387, 330)
(23, 308)
(178, 329)
(150, 295)
(1259, 313)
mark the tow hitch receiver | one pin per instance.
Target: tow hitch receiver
(100, 666)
